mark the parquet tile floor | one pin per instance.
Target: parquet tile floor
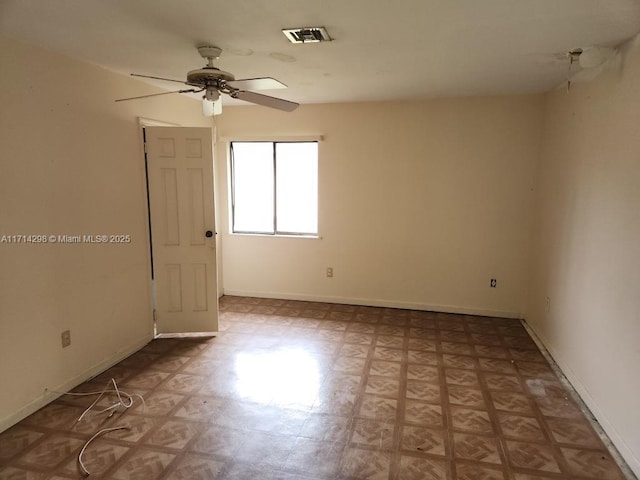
(300, 390)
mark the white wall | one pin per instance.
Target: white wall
(421, 204)
(586, 254)
(71, 163)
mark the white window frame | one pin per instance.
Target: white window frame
(231, 181)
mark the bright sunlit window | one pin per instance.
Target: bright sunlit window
(274, 188)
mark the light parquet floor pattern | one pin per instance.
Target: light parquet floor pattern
(298, 390)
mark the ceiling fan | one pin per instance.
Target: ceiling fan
(213, 81)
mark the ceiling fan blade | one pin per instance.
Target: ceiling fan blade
(265, 83)
(158, 78)
(191, 90)
(265, 100)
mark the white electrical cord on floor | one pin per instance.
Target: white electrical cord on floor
(121, 403)
(120, 393)
(83, 469)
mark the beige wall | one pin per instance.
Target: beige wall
(70, 163)
(420, 205)
(586, 255)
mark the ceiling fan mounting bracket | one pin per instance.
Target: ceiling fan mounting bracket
(210, 52)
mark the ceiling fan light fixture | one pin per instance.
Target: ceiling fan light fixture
(211, 108)
(211, 94)
(211, 103)
(307, 35)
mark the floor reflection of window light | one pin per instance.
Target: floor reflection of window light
(287, 376)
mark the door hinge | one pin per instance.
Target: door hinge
(145, 148)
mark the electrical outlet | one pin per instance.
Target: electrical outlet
(329, 272)
(65, 337)
(493, 283)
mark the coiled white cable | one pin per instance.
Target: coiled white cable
(83, 469)
(129, 397)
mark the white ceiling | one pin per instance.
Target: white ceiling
(382, 49)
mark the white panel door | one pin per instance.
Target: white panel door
(180, 171)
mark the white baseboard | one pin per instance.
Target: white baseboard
(617, 442)
(373, 302)
(48, 394)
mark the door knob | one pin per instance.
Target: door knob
(208, 234)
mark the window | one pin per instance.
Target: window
(274, 188)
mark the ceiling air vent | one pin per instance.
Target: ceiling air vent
(307, 35)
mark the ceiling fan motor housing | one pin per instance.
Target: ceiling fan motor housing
(208, 76)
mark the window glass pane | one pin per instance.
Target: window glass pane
(297, 187)
(253, 187)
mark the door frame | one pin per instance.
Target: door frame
(142, 124)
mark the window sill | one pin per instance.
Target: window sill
(266, 235)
